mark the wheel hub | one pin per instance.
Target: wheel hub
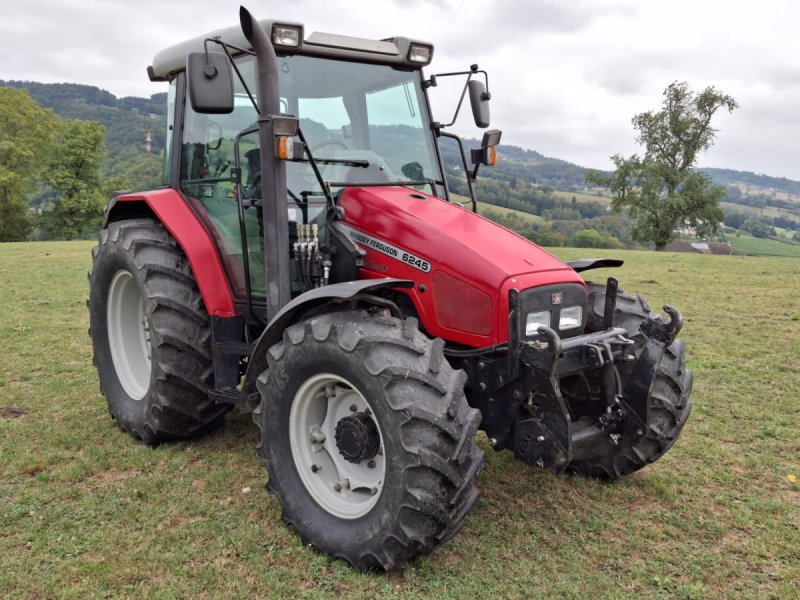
(357, 437)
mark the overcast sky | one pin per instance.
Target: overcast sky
(566, 76)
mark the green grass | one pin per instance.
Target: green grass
(582, 197)
(767, 211)
(506, 212)
(527, 217)
(763, 246)
(86, 511)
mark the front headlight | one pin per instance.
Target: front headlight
(571, 317)
(534, 320)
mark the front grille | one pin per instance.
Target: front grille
(545, 298)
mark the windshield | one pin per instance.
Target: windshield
(364, 123)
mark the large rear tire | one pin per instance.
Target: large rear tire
(368, 438)
(610, 458)
(151, 334)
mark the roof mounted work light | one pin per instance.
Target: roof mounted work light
(288, 36)
(418, 53)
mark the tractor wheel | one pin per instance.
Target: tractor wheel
(669, 397)
(368, 438)
(151, 334)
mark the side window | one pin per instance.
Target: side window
(166, 168)
(205, 178)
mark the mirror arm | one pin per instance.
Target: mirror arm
(469, 175)
(474, 70)
(225, 47)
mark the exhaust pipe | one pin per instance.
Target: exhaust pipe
(273, 170)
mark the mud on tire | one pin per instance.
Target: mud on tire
(151, 334)
(386, 370)
(669, 398)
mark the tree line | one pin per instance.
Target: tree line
(58, 159)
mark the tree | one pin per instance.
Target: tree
(26, 131)
(661, 190)
(74, 171)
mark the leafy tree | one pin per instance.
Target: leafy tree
(661, 190)
(590, 238)
(26, 131)
(74, 171)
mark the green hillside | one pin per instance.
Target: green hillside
(764, 247)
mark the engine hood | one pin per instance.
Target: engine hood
(446, 235)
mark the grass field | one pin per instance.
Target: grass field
(582, 197)
(527, 217)
(763, 246)
(88, 512)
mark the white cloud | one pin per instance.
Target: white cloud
(566, 77)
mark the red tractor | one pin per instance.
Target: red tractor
(304, 261)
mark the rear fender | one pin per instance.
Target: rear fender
(171, 209)
(330, 294)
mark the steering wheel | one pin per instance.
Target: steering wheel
(330, 143)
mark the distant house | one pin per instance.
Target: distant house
(699, 247)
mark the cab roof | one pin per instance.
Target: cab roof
(392, 51)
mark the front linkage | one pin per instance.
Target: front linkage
(520, 397)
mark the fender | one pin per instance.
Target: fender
(171, 209)
(335, 293)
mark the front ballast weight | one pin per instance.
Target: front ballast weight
(602, 404)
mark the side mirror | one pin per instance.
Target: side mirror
(210, 82)
(479, 99)
(487, 153)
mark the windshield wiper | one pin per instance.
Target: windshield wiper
(337, 161)
(403, 183)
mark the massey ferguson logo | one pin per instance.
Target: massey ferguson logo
(557, 298)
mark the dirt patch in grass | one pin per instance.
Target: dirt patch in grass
(12, 412)
(109, 477)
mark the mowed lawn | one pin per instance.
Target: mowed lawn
(86, 511)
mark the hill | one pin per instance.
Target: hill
(523, 180)
(127, 121)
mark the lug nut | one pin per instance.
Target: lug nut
(371, 464)
(337, 487)
(353, 408)
(315, 468)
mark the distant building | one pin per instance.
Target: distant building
(148, 142)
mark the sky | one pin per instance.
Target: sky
(566, 76)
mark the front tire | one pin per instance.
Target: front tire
(368, 438)
(151, 334)
(669, 405)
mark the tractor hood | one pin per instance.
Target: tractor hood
(443, 235)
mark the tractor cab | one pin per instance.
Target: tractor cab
(362, 119)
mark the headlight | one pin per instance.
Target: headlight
(571, 318)
(534, 320)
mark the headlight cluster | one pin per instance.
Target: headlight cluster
(570, 317)
(563, 307)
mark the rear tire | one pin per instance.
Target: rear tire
(151, 334)
(669, 397)
(350, 397)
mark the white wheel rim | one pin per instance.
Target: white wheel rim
(129, 334)
(345, 489)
